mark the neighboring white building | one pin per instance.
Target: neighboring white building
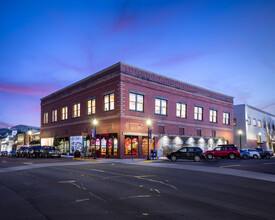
(253, 127)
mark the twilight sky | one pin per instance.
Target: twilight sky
(227, 46)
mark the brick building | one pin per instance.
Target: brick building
(122, 98)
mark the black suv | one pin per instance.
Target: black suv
(22, 152)
(34, 151)
(192, 153)
(48, 151)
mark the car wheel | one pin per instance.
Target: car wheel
(267, 156)
(209, 156)
(46, 155)
(245, 157)
(197, 158)
(174, 158)
(231, 156)
(59, 156)
(255, 156)
(33, 155)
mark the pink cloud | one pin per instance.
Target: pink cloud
(36, 89)
(5, 125)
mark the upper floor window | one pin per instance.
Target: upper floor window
(64, 113)
(213, 116)
(234, 121)
(226, 118)
(136, 102)
(254, 122)
(260, 124)
(76, 110)
(54, 115)
(249, 120)
(181, 110)
(160, 106)
(198, 113)
(45, 117)
(181, 130)
(91, 106)
(109, 102)
(214, 133)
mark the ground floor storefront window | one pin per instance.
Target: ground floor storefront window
(131, 145)
(145, 145)
(105, 144)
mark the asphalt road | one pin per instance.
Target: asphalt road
(129, 191)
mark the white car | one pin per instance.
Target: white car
(253, 153)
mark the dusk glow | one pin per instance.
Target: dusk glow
(224, 46)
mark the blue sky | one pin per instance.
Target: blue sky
(225, 46)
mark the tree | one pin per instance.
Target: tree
(56, 141)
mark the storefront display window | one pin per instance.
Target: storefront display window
(97, 143)
(103, 146)
(131, 145)
(115, 147)
(110, 146)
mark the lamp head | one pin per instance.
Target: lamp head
(95, 122)
(240, 132)
(148, 122)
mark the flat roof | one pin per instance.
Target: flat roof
(256, 109)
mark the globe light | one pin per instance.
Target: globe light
(148, 122)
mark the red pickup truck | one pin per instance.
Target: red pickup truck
(228, 151)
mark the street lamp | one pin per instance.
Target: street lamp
(240, 133)
(29, 133)
(148, 124)
(95, 123)
(260, 136)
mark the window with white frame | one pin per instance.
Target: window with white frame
(249, 121)
(76, 110)
(213, 116)
(181, 110)
(54, 115)
(226, 118)
(136, 102)
(91, 106)
(45, 117)
(254, 122)
(160, 106)
(198, 113)
(109, 102)
(64, 113)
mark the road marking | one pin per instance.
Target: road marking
(87, 159)
(27, 163)
(66, 181)
(270, 163)
(146, 161)
(82, 200)
(230, 166)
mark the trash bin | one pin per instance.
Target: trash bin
(76, 153)
(153, 154)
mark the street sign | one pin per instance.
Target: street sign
(93, 133)
(150, 134)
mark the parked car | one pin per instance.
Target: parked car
(48, 151)
(34, 151)
(264, 154)
(22, 152)
(249, 153)
(4, 153)
(223, 151)
(12, 153)
(193, 153)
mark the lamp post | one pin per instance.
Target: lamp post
(95, 123)
(240, 133)
(148, 124)
(29, 133)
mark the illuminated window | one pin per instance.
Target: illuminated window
(136, 102)
(45, 117)
(234, 121)
(160, 106)
(91, 106)
(259, 124)
(109, 102)
(54, 115)
(64, 112)
(213, 116)
(226, 118)
(76, 110)
(131, 145)
(198, 113)
(181, 110)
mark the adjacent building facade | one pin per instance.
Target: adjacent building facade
(253, 128)
(122, 98)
